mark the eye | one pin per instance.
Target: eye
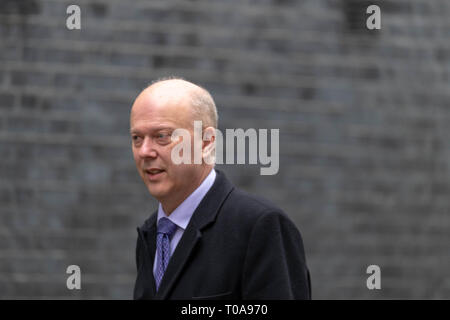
(163, 137)
(135, 138)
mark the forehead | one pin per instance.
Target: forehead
(157, 108)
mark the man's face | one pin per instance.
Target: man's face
(154, 116)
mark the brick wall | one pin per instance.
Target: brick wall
(363, 118)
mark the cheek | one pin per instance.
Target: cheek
(165, 154)
(175, 173)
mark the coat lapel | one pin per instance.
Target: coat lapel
(204, 215)
(147, 235)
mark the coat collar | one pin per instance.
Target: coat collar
(204, 215)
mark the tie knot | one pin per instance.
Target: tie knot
(165, 226)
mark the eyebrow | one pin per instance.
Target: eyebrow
(157, 128)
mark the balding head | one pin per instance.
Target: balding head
(199, 99)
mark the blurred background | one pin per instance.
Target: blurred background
(363, 118)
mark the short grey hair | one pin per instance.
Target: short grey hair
(203, 104)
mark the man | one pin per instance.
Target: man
(207, 240)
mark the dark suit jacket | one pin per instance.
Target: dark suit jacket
(236, 246)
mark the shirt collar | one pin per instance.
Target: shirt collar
(183, 213)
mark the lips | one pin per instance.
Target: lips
(154, 170)
(154, 173)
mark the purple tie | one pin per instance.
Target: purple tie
(165, 231)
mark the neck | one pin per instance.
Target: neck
(169, 205)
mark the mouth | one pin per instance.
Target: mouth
(154, 174)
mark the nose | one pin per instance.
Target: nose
(147, 149)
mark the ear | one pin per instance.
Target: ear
(209, 145)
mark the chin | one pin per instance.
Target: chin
(157, 192)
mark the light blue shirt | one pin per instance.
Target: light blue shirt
(183, 213)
